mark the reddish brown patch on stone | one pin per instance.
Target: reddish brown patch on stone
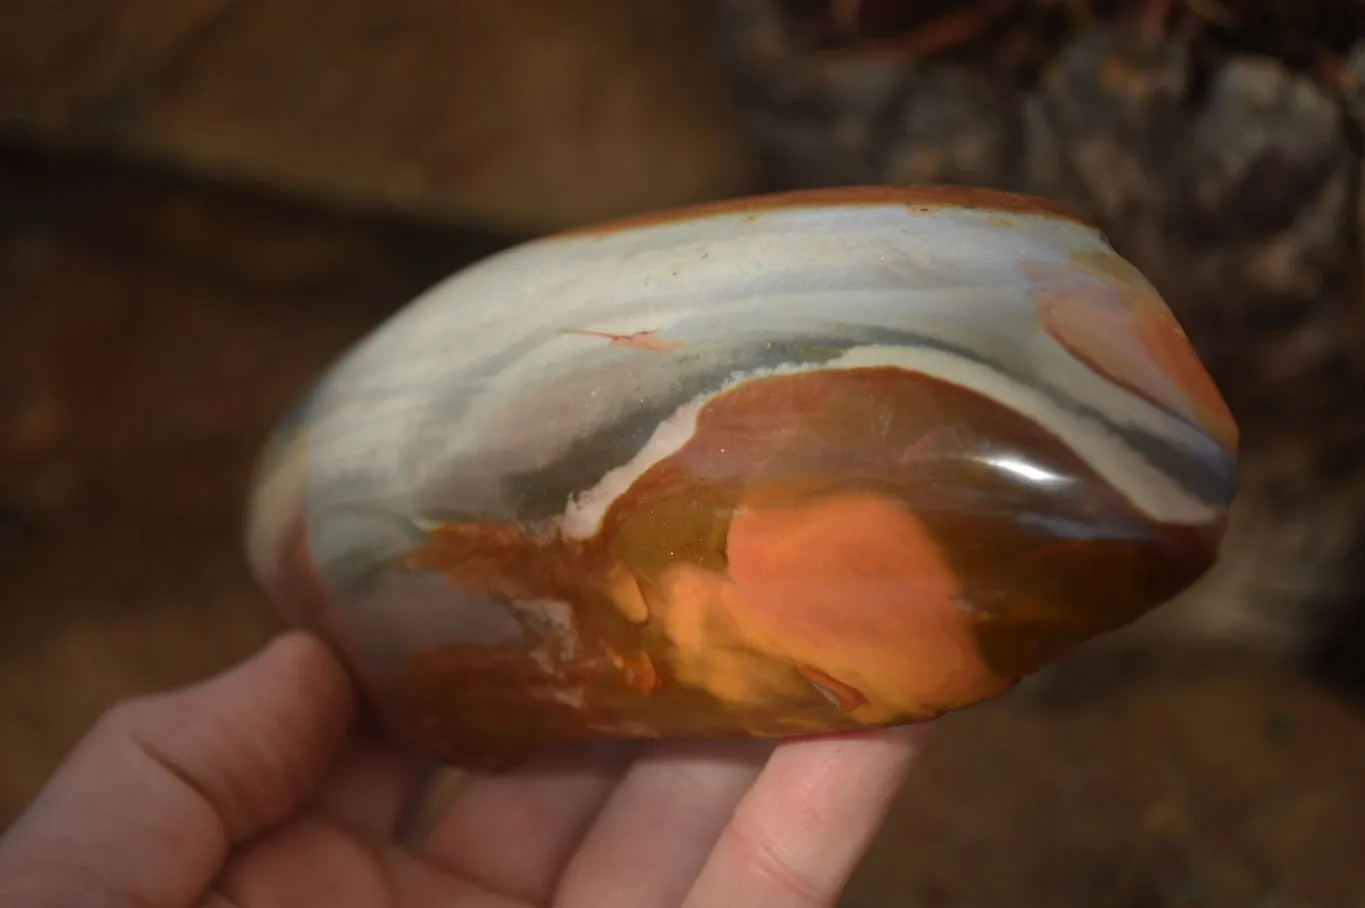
(916, 199)
(846, 611)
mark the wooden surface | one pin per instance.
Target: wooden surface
(523, 113)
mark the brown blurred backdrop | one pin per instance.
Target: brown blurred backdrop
(202, 202)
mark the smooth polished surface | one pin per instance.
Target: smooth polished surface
(779, 466)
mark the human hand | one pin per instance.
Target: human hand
(255, 789)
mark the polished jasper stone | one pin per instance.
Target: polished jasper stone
(785, 465)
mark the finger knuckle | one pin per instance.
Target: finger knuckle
(765, 860)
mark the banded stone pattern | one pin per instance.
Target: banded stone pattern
(776, 466)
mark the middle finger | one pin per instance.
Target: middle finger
(661, 823)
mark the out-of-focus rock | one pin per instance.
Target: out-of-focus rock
(524, 115)
(832, 133)
(953, 125)
(838, 118)
(1245, 182)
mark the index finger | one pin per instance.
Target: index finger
(145, 809)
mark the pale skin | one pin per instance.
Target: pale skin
(256, 789)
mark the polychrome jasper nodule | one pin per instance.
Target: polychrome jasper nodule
(784, 465)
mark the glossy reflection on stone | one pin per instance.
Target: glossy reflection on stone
(781, 466)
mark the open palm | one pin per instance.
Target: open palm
(233, 794)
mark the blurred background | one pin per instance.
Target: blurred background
(203, 202)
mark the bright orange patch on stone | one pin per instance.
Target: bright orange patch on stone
(855, 588)
(708, 649)
(625, 592)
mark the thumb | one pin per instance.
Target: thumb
(146, 808)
